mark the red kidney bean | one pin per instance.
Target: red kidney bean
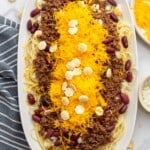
(33, 30)
(34, 27)
(113, 17)
(49, 133)
(36, 118)
(110, 50)
(35, 12)
(110, 128)
(124, 98)
(129, 76)
(29, 25)
(119, 100)
(108, 40)
(57, 142)
(31, 99)
(124, 41)
(128, 65)
(112, 2)
(123, 109)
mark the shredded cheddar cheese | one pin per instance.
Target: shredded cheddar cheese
(142, 11)
(92, 34)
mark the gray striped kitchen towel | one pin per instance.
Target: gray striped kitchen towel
(11, 133)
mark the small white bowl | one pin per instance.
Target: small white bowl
(138, 29)
(141, 87)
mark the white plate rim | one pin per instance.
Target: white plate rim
(25, 117)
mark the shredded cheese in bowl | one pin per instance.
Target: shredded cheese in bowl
(142, 11)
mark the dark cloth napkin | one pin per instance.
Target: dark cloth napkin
(11, 132)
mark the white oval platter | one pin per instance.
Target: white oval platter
(27, 124)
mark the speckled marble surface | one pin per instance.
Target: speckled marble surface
(141, 136)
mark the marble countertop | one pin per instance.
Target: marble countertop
(141, 136)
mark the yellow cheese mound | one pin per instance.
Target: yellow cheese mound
(92, 34)
(142, 11)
